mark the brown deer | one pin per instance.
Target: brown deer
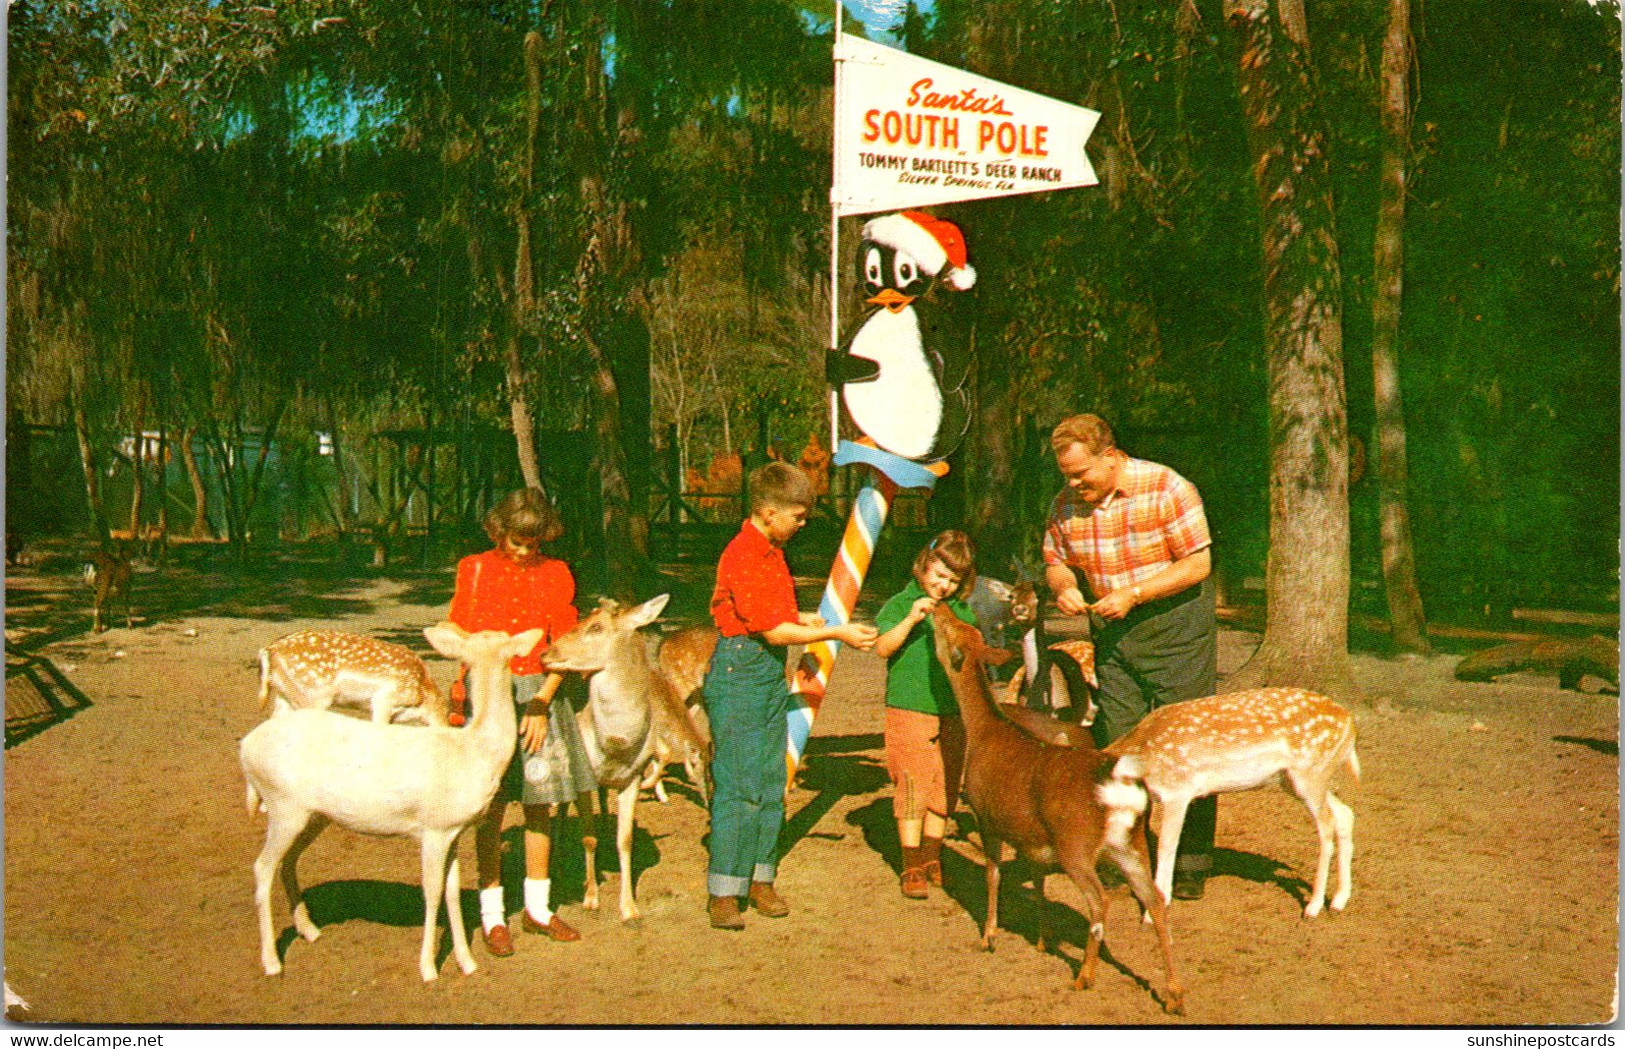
(630, 710)
(108, 573)
(320, 668)
(314, 767)
(1239, 741)
(1048, 802)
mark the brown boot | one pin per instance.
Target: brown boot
(931, 855)
(913, 880)
(766, 900)
(724, 912)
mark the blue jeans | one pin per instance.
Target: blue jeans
(747, 699)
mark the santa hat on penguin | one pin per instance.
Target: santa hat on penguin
(936, 244)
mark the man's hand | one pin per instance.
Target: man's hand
(809, 619)
(1072, 603)
(858, 635)
(533, 730)
(1116, 604)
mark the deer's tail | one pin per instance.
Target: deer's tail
(265, 683)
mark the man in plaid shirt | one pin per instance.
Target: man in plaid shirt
(1137, 533)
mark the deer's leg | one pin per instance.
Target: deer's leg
(282, 827)
(1173, 821)
(1079, 865)
(454, 911)
(436, 844)
(1344, 818)
(383, 704)
(992, 849)
(1313, 796)
(290, 877)
(1039, 876)
(585, 808)
(1135, 863)
(625, 808)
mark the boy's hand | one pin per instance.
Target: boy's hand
(533, 731)
(923, 607)
(858, 635)
(809, 619)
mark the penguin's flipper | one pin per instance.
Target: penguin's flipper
(841, 367)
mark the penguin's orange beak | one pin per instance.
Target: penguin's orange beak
(892, 300)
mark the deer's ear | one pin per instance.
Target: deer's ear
(645, 613)
(956, 658)
(520, 644)
(447, 639)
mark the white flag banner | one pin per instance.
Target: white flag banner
(910, 132)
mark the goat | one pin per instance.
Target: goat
(320, 668)
(1239, 741)
(630, 707)
(108, 573)
(314, 767)
(1049, 804)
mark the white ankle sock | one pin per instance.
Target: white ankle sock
(491, 909)
(537, 892)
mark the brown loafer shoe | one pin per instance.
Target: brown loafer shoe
(556, 928)
(499, 941)
(724, 913)
(914, 884)
(767, 901)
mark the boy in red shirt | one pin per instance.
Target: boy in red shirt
(747, 694)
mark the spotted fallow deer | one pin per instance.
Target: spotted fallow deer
(318, 668)
(1239, 741)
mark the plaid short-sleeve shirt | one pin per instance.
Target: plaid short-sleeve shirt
(1152, 519)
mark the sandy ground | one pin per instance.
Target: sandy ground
(1486, 873)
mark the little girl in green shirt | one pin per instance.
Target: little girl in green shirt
(925, 739)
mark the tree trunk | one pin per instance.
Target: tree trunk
(524, 283)
(87, 458)
(1388, 280)
(990, 468)
(1307, 581)
(200, 494)
(137, 465)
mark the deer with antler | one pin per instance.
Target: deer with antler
(1239, 741)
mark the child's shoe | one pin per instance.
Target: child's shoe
(724, 913)
(914, 883)
(766, 900)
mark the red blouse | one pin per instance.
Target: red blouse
(754, 591)
(494, 592)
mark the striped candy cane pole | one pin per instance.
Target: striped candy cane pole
(857, 549)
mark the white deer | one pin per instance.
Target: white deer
(1239, 741)
(320, 668)
(313, 767)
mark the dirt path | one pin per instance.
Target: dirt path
(1486, 875)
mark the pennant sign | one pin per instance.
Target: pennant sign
(910, 132)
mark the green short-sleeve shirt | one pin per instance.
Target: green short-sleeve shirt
(915, 679)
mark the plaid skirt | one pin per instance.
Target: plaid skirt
(560, 771)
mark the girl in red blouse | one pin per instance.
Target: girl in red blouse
(513, 588)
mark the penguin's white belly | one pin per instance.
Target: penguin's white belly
(902, 407)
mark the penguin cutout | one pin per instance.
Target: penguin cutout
(903, 373)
